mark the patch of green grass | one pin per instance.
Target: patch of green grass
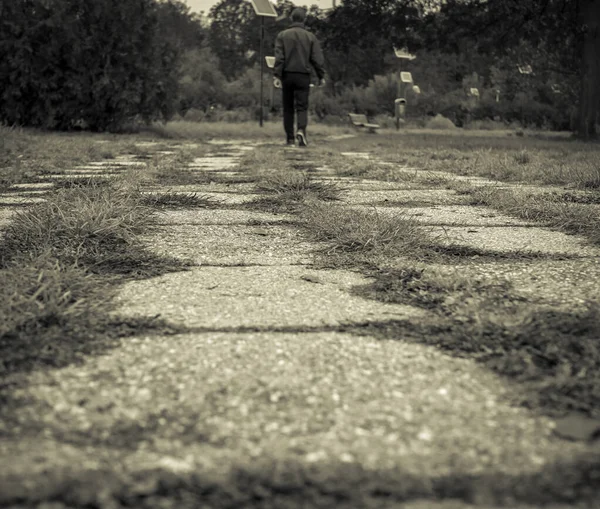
(347, 230)
(45, 303)
(298, 184)
(203, 131)
(584, 198)
(171, 200)
(289, 192)
(95, 182)
(78, 226)
(96, 228)
(553, 161)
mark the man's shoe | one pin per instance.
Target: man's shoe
(301, 137)
(291, 143)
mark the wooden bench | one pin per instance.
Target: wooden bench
(361, 121)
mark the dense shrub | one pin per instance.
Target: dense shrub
(98, 64)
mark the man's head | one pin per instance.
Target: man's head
(298, 15)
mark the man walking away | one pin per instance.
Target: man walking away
(296, 51)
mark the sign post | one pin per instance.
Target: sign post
(404, 77)
(263, 8)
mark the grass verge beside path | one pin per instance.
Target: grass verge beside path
(528, 161)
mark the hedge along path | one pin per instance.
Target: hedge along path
(266, 396)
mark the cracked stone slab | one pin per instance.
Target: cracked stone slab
(214, 163)
(516, 238)
(273, 296)
(80, 170)
(233, 244)
(25, 193)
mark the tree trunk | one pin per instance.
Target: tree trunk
(589, 94)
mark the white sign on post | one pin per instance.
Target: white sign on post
(525, 69)
(406, 77)
(264, 8)
(403, 53)
(270, 62)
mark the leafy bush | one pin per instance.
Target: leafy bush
(440, 122)
(99, 64)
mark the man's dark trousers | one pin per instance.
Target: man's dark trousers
(296, 89)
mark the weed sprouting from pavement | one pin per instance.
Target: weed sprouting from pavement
(298, 184)
(171, 200)
(348, 230)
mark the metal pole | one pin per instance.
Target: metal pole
(262, 36)
(399, 95)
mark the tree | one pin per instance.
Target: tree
(183, 28)
(233, 33)
(564, 36)
(103, 63)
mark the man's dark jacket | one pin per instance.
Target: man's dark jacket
(296, 50)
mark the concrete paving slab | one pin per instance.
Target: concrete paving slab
(33, 186)
(224, 217)
(515, 238)
(81, 175)
(25, 193)
(448, 215)
(565, 284)
(398, 197)
(7, 200)
(273, 296)
(214, 244)
(115, 163)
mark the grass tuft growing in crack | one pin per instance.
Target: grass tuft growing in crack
(347, 230)
(298, 185)
(292, 192)
(171, 200)
(91, 227)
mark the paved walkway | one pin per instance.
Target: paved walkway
(269, 375)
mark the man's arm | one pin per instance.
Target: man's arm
(317, 60)
(279, 57)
